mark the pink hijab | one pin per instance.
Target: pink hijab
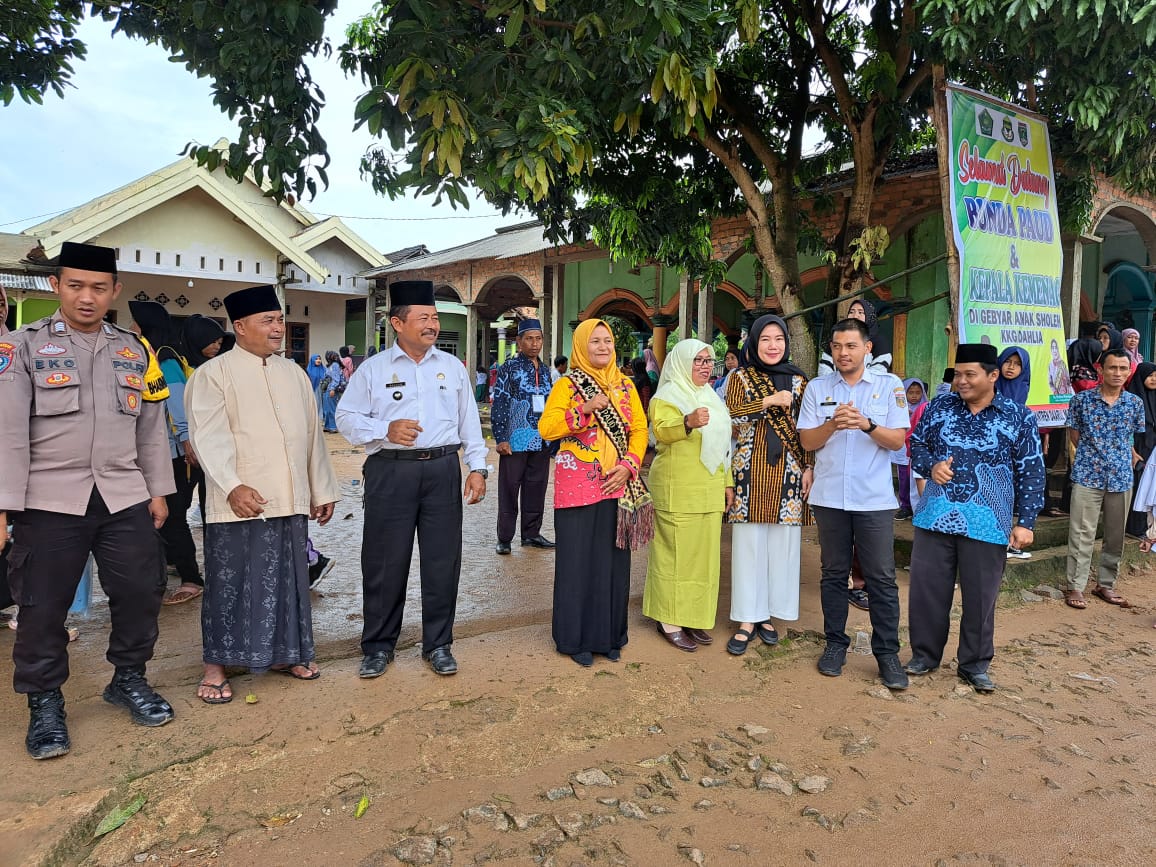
(4, 318)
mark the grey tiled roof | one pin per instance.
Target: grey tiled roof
(504, 244)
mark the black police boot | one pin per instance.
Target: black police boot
(47, 733)
(130, 689)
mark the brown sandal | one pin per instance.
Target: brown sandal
(1075, 599)
(1111, 597)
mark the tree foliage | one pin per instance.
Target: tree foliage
(1088, 66)
(253, 51)
(644, 120)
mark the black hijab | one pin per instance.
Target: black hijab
(199, 332)
(1148, 395)
(156, 326)
(640, 377)
(1085, 352)
(1115, 339)
(871, 320)
(781, 374)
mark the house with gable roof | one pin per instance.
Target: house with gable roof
(186, 237)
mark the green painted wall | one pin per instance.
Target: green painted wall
(31, 309)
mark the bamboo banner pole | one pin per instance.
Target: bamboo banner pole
(942, 123)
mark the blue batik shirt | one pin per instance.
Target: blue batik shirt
(997, 465)
(513, 417)
(1104, 452)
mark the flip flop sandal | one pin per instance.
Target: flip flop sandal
(1145, 545)
(219, 688)
(313, 675)
(180, 595)
(1111, 597)
(767, 633)
(735, 647)
(1075, 599)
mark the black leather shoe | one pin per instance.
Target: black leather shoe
(374, 664)
(502, 547)
(859, 599)
(979, 681)
(47, 733)
(441, 660)
(538, 541)
(892, 672)
(831, 662)
(129, 689)
(918, 666)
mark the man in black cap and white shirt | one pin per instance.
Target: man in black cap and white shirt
(84, 467)
(412, 407)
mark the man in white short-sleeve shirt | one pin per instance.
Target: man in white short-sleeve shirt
(853, 419)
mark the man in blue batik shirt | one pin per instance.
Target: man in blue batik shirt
(1101, 424)
(520, 394)
(980, 454)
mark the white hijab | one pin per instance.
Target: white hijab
(676, 387)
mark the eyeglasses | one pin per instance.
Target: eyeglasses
(703, 362)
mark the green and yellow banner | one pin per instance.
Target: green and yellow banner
(1007, 232)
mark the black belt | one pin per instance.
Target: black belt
(417, 454)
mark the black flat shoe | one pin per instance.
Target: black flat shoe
(737, 647)
(980, 682)
(374, 664)
(502, 547)
(584, 659)
(538, 541)
(441, 660)
(767, 633)
(614, 655)
(919, 667)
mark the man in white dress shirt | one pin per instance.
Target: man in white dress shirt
(412, 407)
(853, 419)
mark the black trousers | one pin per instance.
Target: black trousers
(938, 560)
(402, 497)
(524, 474)
(180, 549)
(870, 535)
(49, 552)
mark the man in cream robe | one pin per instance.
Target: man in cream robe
(254, 427)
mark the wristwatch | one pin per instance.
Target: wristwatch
(870, 427)
(485, 474)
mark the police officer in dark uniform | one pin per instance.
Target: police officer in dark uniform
(86, 468)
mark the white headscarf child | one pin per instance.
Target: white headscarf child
(676, 387)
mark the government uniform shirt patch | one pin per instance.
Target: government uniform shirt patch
(58, 379)
(127, 353)
(6, 350)
(900, 398)
(51, 349)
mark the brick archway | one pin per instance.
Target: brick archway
(620, 302)
(502, 292)
(746, 302)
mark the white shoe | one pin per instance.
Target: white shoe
(1018, 554)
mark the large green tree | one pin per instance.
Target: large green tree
(639, 120)
(646, 120)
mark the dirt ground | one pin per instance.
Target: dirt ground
(663, 758)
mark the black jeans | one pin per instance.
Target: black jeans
(872, 536)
